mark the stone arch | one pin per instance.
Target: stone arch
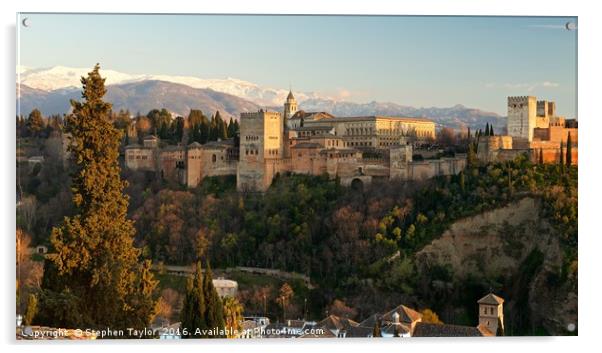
(357, 184)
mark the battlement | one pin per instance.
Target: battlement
(257, 114)
(520, 99)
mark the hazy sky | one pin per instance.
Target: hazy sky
(418, 61)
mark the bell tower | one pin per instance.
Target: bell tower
(290, 107)
(491, 312)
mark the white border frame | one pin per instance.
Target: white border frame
(588, 83)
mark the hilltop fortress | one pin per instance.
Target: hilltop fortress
(354, 149)
(534, 129)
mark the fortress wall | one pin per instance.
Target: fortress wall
(421, 170)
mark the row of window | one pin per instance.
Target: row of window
(251, 138)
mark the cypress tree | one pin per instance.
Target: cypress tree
(214, 316)
(92, 279)
(471, 156)
(194, 308)
(561, 153)
(487, 129)
(204, 129)
(569, 151)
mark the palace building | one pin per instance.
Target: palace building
(354, 149)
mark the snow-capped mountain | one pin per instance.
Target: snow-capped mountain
(61, 77)
(50, 90)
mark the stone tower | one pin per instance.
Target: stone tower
(491, 312)
(290, 107)
(522, 117)
(261, 145)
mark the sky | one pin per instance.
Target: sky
(417, 61)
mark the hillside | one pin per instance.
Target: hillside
(516, 247)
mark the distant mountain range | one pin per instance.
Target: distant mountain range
(51, 89)
(141, 97)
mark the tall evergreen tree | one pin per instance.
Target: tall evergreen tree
(93, 278)
(194, 310)
(222, 128)
(569, 151)
(213, 129)
(214, 317)
(487, 129)
(540, 156)
(471, 156)
(562, 153)
(35, 123)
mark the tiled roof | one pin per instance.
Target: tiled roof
(295, 323)
(406, 314)
(333, 322)
(423, 329)
(389, 329)
(359, 331)
(491, 299)
(305, 115)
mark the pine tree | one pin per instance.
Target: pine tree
(92, 278)
(193, 311)
(35, 123)
(214, 317)
(569, 151)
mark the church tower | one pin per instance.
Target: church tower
(290, 107)
(491, 312)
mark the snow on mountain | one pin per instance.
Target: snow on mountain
(60, 77)
(50, 88)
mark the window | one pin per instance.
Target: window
(214, 158)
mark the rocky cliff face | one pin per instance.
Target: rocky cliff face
(515, 246)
